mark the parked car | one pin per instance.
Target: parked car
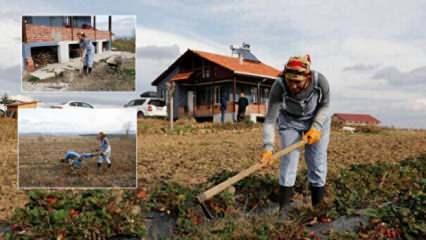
(3, 109)
(149, 94)
(148, 107)
(71, 104)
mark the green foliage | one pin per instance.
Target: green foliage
(124, 44)
(76, 214)
(33, 79)
(5, 99)
(130, 72)
(392, 193)
(396, 194)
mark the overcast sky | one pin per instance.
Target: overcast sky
(76, 121)
(121, 25)
(373, 54)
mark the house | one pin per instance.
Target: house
(53, 39)
(355, 119)
(13, 108)
(202, 78)
(19, 102)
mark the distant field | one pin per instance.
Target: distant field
(40, 166)
(124, 44)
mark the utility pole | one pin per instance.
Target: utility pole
(171, 86)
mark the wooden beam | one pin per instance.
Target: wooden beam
(110, 28)
(24, 30)
(72, 28)
(219, 82)
(94, 25)
(234, 90)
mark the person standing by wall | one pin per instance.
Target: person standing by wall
(242, 105)
(222, 109)
(87, 52)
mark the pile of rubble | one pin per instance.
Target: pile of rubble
(113, 59)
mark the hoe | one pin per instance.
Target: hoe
(213, 191)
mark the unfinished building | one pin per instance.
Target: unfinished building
(53, 39)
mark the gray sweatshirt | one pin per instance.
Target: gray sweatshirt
(309, 108)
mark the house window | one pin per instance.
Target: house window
(162, 92)
(253, 93)
(205, 71)
(204, 96)
(217, 94)
(265, 96)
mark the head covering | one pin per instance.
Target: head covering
(102, 134)
(297, 67)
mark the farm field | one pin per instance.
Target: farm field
(376, 179)
(191, 154)
(40, 166)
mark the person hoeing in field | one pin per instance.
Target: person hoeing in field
(299, 103)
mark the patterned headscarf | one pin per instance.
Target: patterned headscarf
(297, 67)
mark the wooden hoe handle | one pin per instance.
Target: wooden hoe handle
(213, 191)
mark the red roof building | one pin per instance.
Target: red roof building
(355, 119)
(202, 79)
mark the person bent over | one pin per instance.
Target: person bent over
(299, 103)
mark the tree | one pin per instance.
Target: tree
(5, 99)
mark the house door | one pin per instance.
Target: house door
(190, 102)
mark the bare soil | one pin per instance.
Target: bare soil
(40, 166)
(103, 78)
(190, 155)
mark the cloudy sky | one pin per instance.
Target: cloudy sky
(373, 54)
(122, 25)
(76, 121)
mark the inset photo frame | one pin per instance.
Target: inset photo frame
(78, 53)
(77, 148)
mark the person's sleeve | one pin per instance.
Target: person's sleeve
(104, 145)
(275, 98)
(323, 112)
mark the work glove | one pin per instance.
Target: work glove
(312, 136)
(266, 159)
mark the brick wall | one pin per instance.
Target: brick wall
(40, 33)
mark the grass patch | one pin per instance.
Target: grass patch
(33, 79)
(124, 44)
